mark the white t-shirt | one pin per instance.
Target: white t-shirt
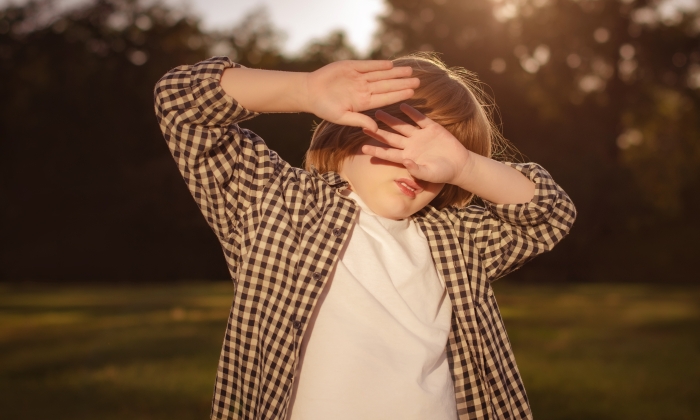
(375, 344)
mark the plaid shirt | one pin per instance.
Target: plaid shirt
(282, 229)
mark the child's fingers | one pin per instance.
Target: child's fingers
(415, 115)
(394, 73)
(391, 139)
(383, 99)
(364, 66)
(392, 155)
(392, 85)
(355, 119)
(396, 124)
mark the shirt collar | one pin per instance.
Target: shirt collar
(331, 177)
(428, 212)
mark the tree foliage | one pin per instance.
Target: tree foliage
(604, 93)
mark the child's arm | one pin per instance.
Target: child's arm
(526, 212)
(433, 154)
(336, 92)
(226, 167)
(509, 235)
(222, 164)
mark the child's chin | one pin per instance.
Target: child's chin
(394, 213)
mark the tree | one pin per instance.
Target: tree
(86, 174)
(604, 93)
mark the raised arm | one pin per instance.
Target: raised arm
(337, 92)
(226, 167)
(526, 212)
(266, 90)
(509, 235)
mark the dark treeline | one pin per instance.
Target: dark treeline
(603, 93)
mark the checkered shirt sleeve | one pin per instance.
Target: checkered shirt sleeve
(509, 235)
(225, 167)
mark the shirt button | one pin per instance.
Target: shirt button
(317, 276)
(337, 232)
(297, 324)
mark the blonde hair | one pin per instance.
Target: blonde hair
(451, 97)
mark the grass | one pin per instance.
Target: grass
(150, 351)
(119, 352)
(606, 351)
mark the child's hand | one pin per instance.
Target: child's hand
(429, 151)
(339, 91)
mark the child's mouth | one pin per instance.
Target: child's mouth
(406, 189)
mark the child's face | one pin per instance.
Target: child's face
(374, 180)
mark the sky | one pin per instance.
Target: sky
(304, 20)
(300, 20)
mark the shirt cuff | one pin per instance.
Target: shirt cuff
(209, 95)
(548, 196)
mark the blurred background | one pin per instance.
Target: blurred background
(114, 292)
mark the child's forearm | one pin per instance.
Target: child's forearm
(494, 181)
(266, 90)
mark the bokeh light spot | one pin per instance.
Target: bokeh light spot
(498, 65)
(573, 60)
(627, 51)
(601, 35)
(138, 57)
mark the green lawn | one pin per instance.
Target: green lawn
(606, 351)
(150, 352)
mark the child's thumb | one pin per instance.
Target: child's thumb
(355, 119)
(412, 167)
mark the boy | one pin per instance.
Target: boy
(289, 234)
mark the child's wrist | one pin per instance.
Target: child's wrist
(465, 177)
(302, 92)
